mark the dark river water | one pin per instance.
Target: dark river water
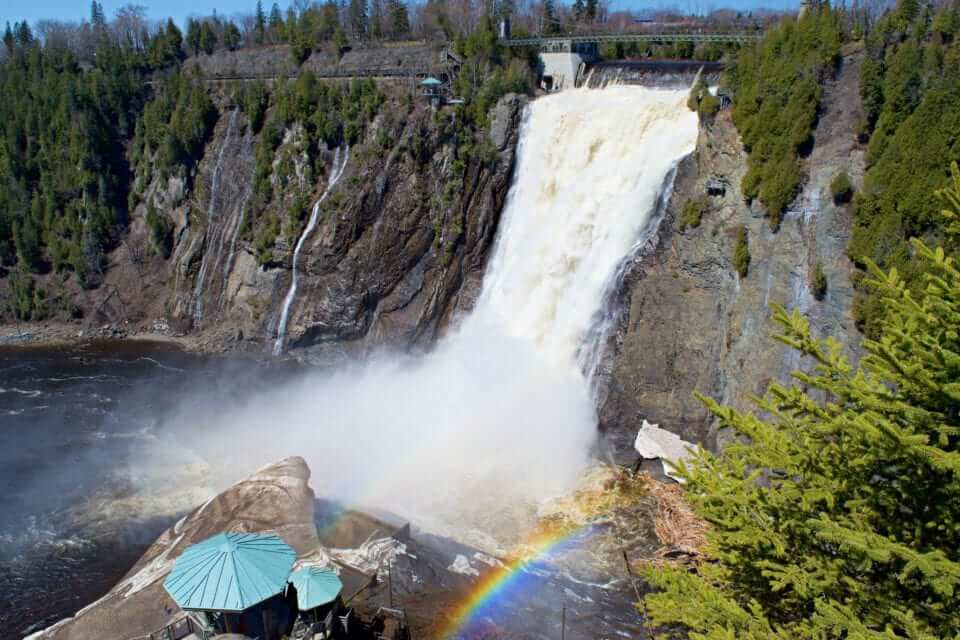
(72, 420)
(78, 429)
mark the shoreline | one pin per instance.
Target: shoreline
(65, 334)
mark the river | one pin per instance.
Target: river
(467, 441)
(74, 422)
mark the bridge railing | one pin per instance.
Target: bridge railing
(634, 37)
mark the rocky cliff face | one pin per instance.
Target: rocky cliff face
(277, 498)
(690, 323)
(400, 244)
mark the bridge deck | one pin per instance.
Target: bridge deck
(633, 37)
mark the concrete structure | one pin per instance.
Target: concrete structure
(563, 58)
(560, 70)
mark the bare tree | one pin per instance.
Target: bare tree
(130, 25)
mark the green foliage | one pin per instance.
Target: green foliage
(834, 510)
(910, 82)
(818, 281)
(332, 114)
(27, 300)
(63, 167)
(778, 88)
(702, 101)
(841, 188)
(691, 214)
(175, 127)
(161, 232)
(253, 99)
(741, 252)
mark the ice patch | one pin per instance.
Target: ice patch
(462, 566)
(654, 443)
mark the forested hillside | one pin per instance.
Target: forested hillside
(910, 85)
(778, 87)
(93, 114)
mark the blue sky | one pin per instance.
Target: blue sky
(33, 10)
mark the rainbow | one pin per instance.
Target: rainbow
(509, 581)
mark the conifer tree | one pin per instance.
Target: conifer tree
(592, 10)
(836, 512)
(276, 22)
(8, 39)
(579, 10)
(399, 21)
(357, 13)
(376, 19)
(259, 22)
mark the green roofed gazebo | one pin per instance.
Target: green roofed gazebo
(431, 82)
(315, 587)
(230, 572)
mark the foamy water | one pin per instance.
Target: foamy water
(499, 416)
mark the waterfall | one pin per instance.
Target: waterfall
(311, 224)
(591, 167)
(473, 435)
(214, 248)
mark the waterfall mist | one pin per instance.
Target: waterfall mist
(499, 416)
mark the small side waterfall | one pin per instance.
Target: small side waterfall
(311, 224)
(215, 234)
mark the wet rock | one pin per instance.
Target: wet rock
(276, 498)
(691, 324)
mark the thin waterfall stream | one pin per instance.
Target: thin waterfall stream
(216, 234)
(311, 225)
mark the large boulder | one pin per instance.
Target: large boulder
(276, 498)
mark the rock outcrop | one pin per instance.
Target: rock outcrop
(691, 324)
(276, 498)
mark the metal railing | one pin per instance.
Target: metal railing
(179, 629)
(634, 37)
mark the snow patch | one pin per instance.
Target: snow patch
(462, 566)
(654, 443)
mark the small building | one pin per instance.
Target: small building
(237, 583)
(318, 598)
(432, 89)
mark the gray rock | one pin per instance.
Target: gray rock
(276, 498)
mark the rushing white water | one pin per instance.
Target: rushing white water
(499, 416)
(311, 225)
(214, 248)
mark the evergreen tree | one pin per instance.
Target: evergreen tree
(357, 14)
(376, 19)
(174, 39)
(276, 23)
(97, 18)
(399, 21)
(208, 37)
(231, 35)
(835, 513)
(9, 41)
(550, 23)
(24, 34)
(592, 10)
(259, 23)
(579, 10)
(193, 36)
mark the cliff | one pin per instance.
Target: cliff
(400, 244)
(690, 323)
